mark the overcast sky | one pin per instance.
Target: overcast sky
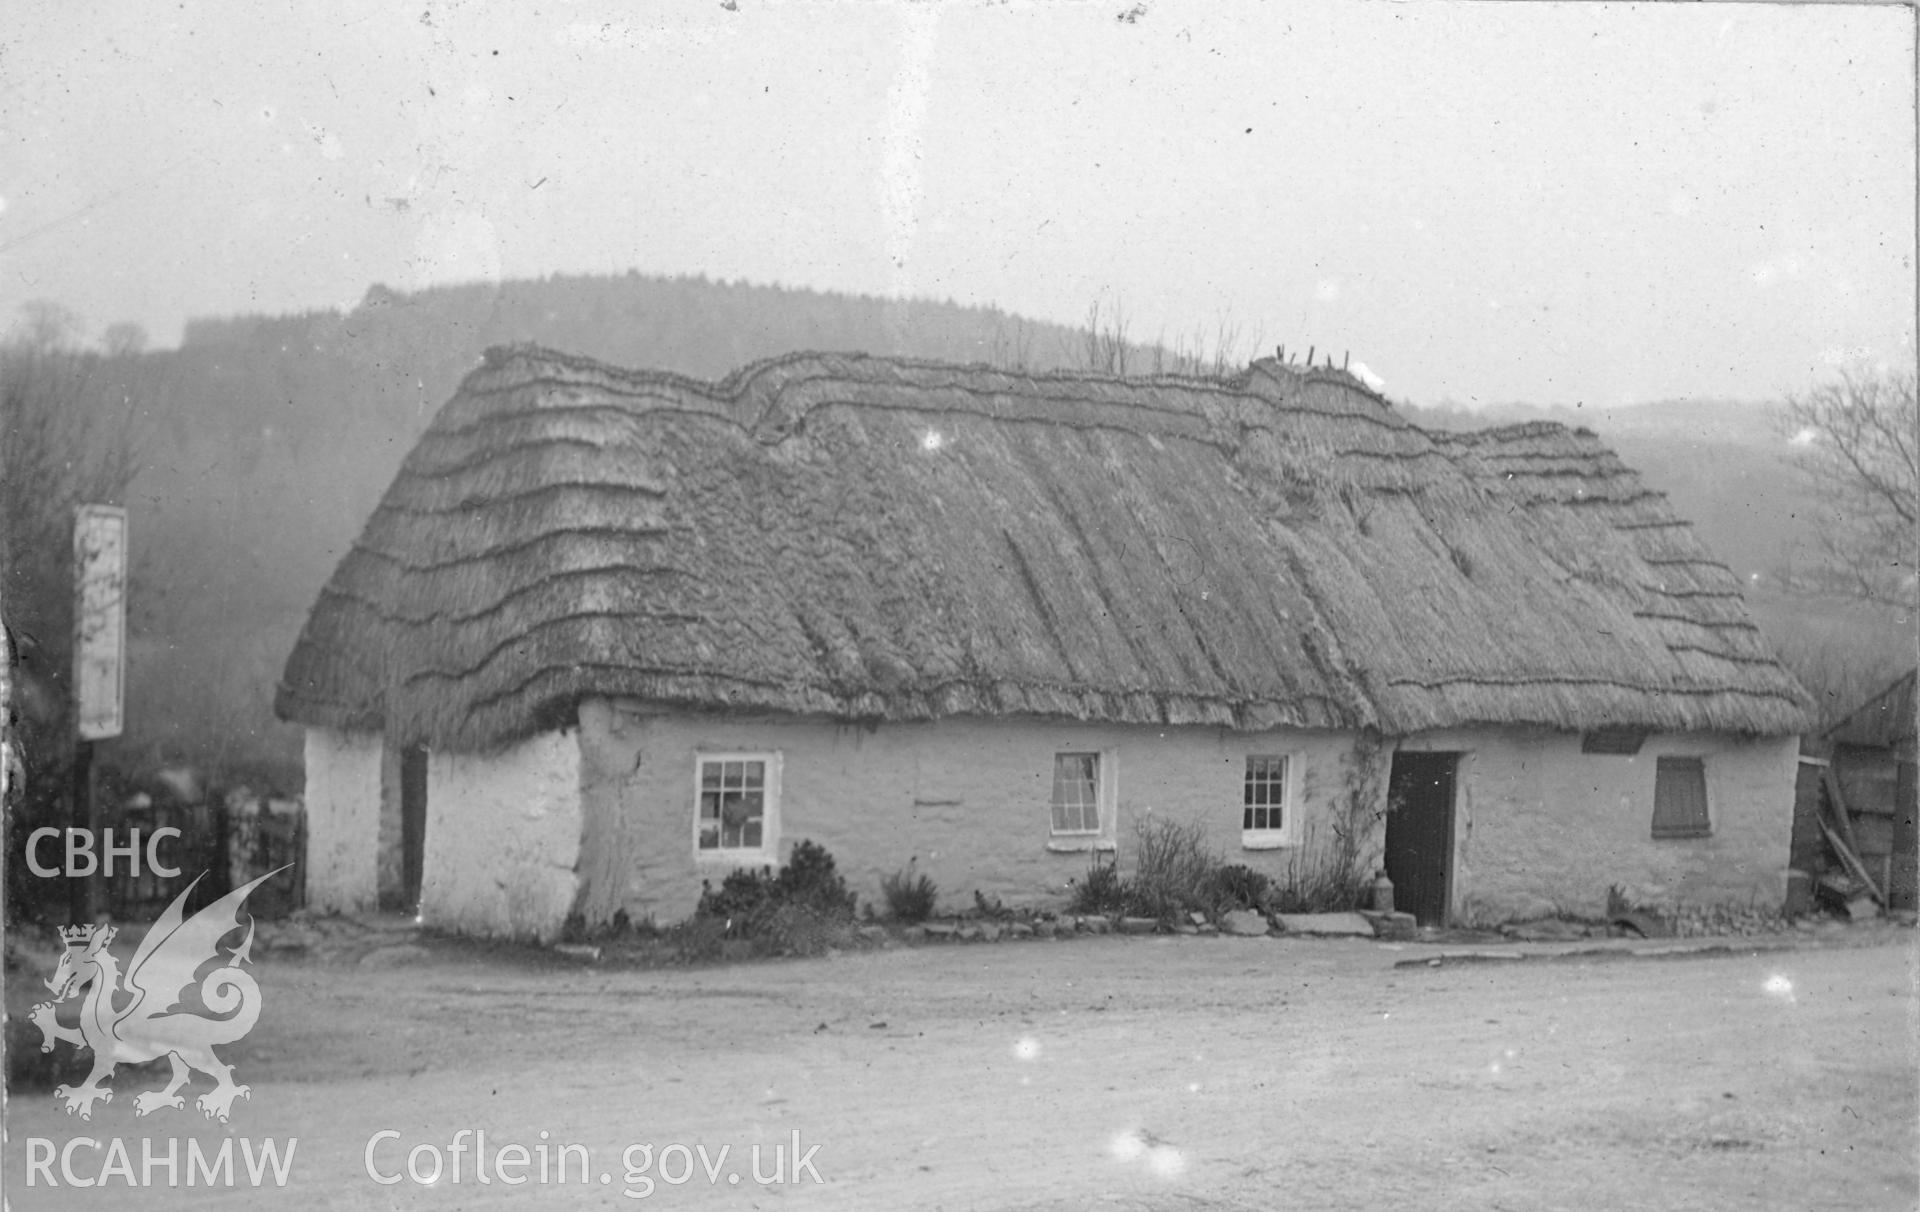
(1482, 201)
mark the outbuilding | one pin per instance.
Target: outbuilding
(1858, 776)
(611, 633)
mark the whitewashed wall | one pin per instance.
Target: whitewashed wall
(1541, 827)
(343, 819)
(967, 798)
(602, 819)
(502, 839)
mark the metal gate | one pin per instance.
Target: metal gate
(199, 852)
(223, 846)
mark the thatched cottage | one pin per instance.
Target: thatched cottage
(611, 633)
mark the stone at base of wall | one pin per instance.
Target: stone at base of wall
(1347, 925)
(1248, 922)
(1398, 927)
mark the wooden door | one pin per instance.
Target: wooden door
(413, 825)
(1420, 834)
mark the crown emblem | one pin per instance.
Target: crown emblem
(131, 1016)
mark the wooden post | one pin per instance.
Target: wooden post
(1842, 819)
(1852, 863)
(8, 792)
(81, 898)
(299, 859)
(99, 673)
(221, 864)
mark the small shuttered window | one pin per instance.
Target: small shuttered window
(1680, 798)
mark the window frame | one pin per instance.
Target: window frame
(1288, 834)
(1106, 785)
(768, 851)
(1687, 831)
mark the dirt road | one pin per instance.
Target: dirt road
(1115, 1073)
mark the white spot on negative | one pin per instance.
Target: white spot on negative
(1373, 381)
(1161, 1159)
(1165, 1161)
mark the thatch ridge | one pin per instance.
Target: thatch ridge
(867, 538)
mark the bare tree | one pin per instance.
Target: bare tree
(1221, 355)
(1011, 346)
(44, 324)
(1103, 344)
(1116, 346)
(1858, 438)
(123, 339)
(1228, 341)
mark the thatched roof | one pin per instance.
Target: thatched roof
(875, 539)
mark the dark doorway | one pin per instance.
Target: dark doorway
(1420, 834)
(413, 824)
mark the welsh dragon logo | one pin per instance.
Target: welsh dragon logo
(162, 1007)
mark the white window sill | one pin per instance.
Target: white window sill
(736, 858)
(1080, 845)
(1266, 841)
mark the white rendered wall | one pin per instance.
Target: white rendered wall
(1541, 828)
(967, 798)
(343, 819)
(503, 838)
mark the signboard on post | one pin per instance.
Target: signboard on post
(99, 620)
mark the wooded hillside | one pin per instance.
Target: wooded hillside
(267, 441)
